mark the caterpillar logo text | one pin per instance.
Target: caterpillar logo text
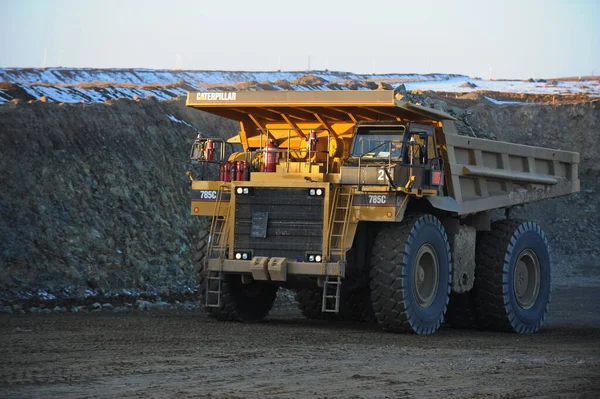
(216, 96)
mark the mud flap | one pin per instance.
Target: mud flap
(444, 204)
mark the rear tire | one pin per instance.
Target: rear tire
(513, 283)
(239, 302)
(411, 275)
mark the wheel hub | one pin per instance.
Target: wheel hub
(527, 279)
(420, 275)
(426, 275)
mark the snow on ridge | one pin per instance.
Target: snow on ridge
(73, 76)
(63, 84)
(94, 95)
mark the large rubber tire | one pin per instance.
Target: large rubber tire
(358, 306)
(310, 301)
(396, 277)
(355, 300)
(513, 250)
(239, 302)
(354, 306)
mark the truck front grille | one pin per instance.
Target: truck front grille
(294, 227)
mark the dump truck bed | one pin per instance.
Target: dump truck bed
(479, 174)
(486, 174)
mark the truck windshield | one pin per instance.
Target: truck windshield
(377, 145)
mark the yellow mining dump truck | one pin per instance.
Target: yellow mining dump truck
(370, 208)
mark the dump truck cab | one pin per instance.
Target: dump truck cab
(326, 183)
(395, 154)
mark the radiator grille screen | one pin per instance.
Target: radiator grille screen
(294, 227)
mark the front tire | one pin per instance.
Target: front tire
(411, 275)
(513, 277)
(355, 296)
(239, 302)
(355, 305)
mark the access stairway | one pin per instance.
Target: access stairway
(217, 246)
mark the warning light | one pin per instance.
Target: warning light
(389, 214)
(196, 210)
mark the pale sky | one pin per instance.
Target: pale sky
(515, 38)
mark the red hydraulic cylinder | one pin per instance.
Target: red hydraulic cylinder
(240, 171)
(225, 171)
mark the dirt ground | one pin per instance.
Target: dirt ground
(184, 355)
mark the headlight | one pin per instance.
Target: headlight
(319, 191)
(312, 191)
(313, 257)
(243, 255)
(244, 191)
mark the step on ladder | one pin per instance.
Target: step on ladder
(331, 294)
(339, 221)
(214, 282)
(217, 247)
(338, 228)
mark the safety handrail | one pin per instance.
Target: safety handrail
(289, 148)
(197, 150)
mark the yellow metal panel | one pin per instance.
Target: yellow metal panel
(374, 213)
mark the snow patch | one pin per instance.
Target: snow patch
(171, 117)
(501, 102)
(4, 97)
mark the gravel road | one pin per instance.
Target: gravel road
(183, 355)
